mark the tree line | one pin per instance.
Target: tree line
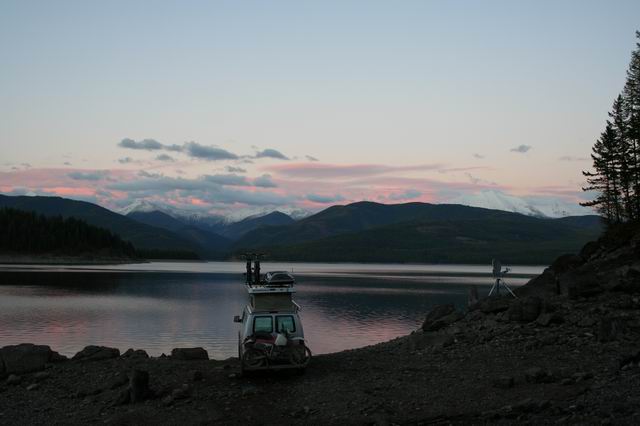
(616, 154)
(25, 232)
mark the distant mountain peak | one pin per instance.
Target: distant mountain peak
(536, 206)
(143, 206)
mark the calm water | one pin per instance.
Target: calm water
(161, 305)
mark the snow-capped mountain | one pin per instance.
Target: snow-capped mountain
(140, 206)
(531, 206)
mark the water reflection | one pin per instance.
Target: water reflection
(157, 311)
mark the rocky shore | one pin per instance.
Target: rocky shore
(566, 351)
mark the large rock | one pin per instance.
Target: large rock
(137, 353)
(525, 309)
(24, 358)
(442, 322)
(138, 385)
(493, 305)
(437, 313)
(420, 340)
(547, 318)
(189, 354)
(581, 282)
(96, 353)
(609, 329)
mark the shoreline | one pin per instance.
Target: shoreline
(490, 364)
(64, 260)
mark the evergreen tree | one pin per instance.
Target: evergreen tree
(605, 179)
(621, 167)
(616, 155)
(631, 96)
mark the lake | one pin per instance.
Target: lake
(158, 306)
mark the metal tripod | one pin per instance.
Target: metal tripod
(496, 287)
(498, 274)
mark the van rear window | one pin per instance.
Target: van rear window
(285, 323)
(263, 324)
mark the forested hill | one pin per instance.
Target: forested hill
(28, 233)
(153, 242)
(422, 233)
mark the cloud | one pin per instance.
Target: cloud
(521, 149)
(146, 174)
(233, 169)
(478, 156)
(66, 163)
(571, 158)
(264, 181)
(310, 158)
(165, 157)
(271, 153)
(92, 176)
(145, 144)
(324, 199)
(339, 171)
(409, 194)
(209, 153)
(205, 188)
(230, 179)
(126, 160)
(192, 149)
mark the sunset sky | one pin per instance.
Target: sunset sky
(239, 107)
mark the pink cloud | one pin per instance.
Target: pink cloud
(66, 191)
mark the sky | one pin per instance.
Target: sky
(241, 107)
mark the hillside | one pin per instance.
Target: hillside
(236, 230)
(356, 217)
(143, 237)
(29, 233)
(210, 245)
(417, 232)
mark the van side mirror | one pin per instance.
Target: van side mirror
(237, 318)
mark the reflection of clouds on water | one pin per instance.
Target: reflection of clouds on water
(160, 311)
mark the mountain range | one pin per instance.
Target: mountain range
(362, 231)
(421, 232)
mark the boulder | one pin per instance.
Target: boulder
(138, 385)
(581, 282)
(189, 354)
(13, 380)
(544, 284)
(137, 390)
(525, 309)
(138, 353)
(436, 313)
(503, 382)
(96, 353)
(196, 376)
(442, 321)
(547, 318)
(24, 358)
(608, 329)
(181, 392)
(420, 341)
(537, 375)
(41, 375)
(493, 305)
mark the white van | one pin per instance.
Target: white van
(271, 334)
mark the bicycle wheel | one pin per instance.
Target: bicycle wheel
(254, 358)
(300, 356)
